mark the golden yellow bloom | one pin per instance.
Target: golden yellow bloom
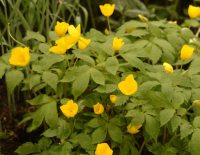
(20, 56)
(107, 9)
(128, 86)
(133, 129)
(61, 28)
(98, 108)
(75, 33)
(143, 18)
(83, 43)
(196, 102)
(168, 68)
(113, 99)
(117, 43)
(70, 109)
(193, 11)
(186, 52)
(63, 44)
(103, 149)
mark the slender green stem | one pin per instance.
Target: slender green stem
(109, 28)
(91, 13)
(13, 37)
(198, 32)
(56, 15)
(141, 147)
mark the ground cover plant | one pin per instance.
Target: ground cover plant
(130, 91)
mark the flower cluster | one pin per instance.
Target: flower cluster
(67, 41)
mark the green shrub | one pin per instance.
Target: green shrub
(161, 105)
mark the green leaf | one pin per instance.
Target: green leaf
(27, 148)
(112, 65)
(50, 133)
(196, 122)
(132, 59)
(148, 85)
(194, 142)
(84, 140)
(152, 127)
(80, 84)
(85, 58)
(175, 122)
(115, 132)
(34, 80)
(166, 115)
(51, 79)
(40, 99)
(44, 48)
(34, 35)
(153, 52)
(107, 88)
(138, 33)
(51, 114)
(70, 75)
(48, 60)
(96, 122)
(13, 78)
(155, 30)
(99, 135)
(97, 76)
(2, 69)
(186, 129)
(37, 117)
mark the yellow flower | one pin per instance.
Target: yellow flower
(168, 68)
(133, 129)
(75, 33)
(103, 149)
(113, 99)
(193, 11)
(107, 9)
(196, 102)
(117, 43)
(143, 18)
(186, 52)
(98, 108)
(61, 28)
(83, 43)
(19, 56)
(70, 109)
(63, 44)
(128, 86)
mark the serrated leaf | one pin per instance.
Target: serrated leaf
(34, 35)
(196, 122)
(166, 115)
(34, 80)
(80, 84)
(112, 65)
(51, 79)
(97, 76)
(51, 114)
(194, 142)
(186, 129)
(115, 132)
(99, 135)
(85, 58)
(2, 69)
(152, 127)
(175, 122)
(132, 59)
(40, 99)
(27, 148)
(96, 122)
(13, 78)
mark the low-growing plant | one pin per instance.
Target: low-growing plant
(132, 91)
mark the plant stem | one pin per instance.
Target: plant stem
(13, 37)
(109, 28)
(141, 147)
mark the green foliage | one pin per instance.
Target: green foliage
(163, 107)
